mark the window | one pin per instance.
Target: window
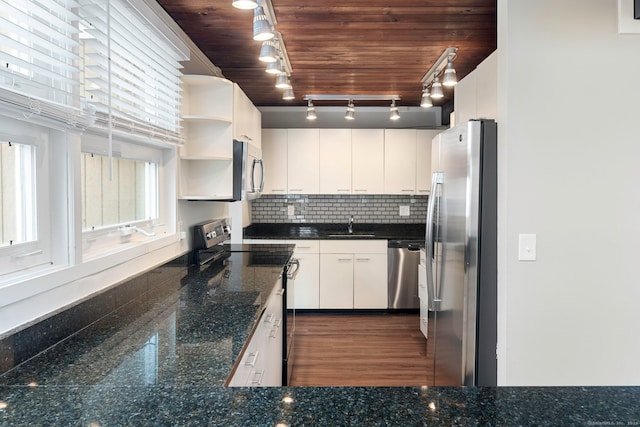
(18, 198)
(129, 195)
(25, 200)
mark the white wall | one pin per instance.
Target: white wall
(568, 150)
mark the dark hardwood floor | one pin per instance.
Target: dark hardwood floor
(359, 350)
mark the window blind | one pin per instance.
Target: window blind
(39, 73)
(131, 72)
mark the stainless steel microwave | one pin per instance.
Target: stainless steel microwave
(248, 171)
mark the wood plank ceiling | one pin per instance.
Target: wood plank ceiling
(356, 47)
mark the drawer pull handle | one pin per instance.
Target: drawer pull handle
(344, 259)
(259, 375)
(255, 358)
(363, 259)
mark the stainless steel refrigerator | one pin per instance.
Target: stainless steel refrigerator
(461, 246)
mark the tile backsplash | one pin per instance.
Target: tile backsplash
(322, 208)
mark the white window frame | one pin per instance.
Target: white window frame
(113, 238)
(35, 254)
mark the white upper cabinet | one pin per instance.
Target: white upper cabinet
(206, 171)
(247, 119)
(400, 161)
(335, 161)
(367, 161)
(274, 156)
(347, 161)
(423, 159)
(303, 161)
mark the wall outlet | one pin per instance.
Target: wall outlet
(291, 211)
(404, 211)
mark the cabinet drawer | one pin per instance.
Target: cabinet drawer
(423, 256)
(353, 246)
(305, 246)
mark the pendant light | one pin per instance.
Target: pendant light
(436, 89)
(287, 94)
(394, 114)
(244, 4)
(311, 111)
(282, 82)
(262, 29)
(268, 52)
(275, 67)
(425, 102)
(450, 78)
(351, 110)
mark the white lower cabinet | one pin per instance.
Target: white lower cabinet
(338, 274)
(336, 280)
(353, 274)
(368, 290)
(260, 364)
(307, 284)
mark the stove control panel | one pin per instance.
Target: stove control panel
(210, 233)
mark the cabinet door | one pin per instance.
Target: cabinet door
(400, 161)
(336, 281)
(370, 281)
(274, 156)
(307, 284)
(273, 340)
(367, 161)
(335, 161)
(423, 156)
(303, 165)
(247, 121)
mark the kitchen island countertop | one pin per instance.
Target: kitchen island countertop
(197, 405)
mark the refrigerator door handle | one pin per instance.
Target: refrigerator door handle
(437, 179)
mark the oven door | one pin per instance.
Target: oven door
(289, 314)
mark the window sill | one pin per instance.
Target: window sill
(27, 284)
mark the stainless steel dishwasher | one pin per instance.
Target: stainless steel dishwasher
(403, 259)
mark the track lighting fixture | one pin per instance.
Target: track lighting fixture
(262, 28)
(350, 98)
(351, 110)
(268, 52)
(436, 89)
(449, 78)
(282, 82)
(245, 4)
(425, 102)
(311, 111)
(287, 94)
(394, 114)
(443, 66)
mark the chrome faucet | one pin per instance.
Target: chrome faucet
(351, 224)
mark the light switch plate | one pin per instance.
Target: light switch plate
(404, 211)
(527, 250)
(291, 210)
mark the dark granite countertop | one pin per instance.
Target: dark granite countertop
(162, 362)
(323, 231)
(192, 336)
(198, 405)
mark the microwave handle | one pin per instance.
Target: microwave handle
(261, 175)
(253, 175)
